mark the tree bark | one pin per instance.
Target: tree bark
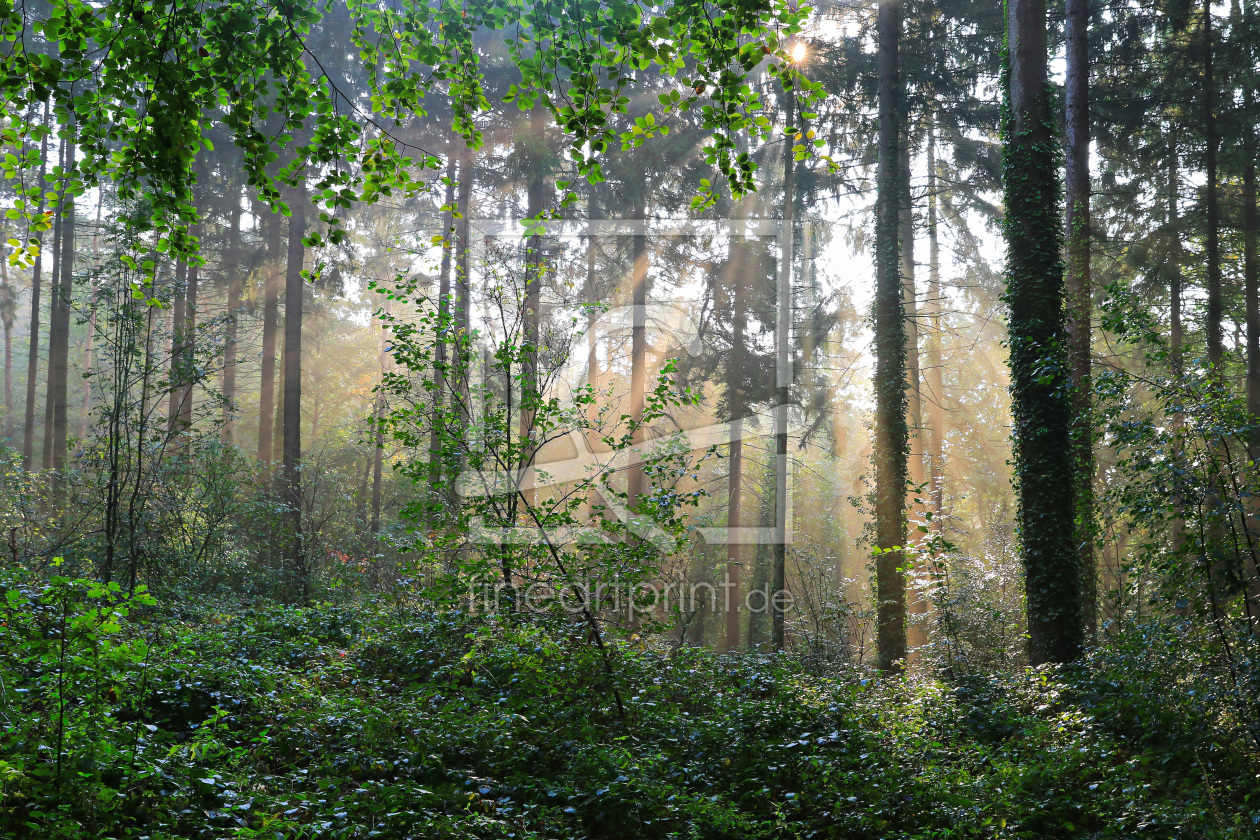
(1080, 297)
(32, 360)
(294, 290)
(891, 434)
(1040, 401)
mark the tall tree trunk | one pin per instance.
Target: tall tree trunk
(437, 485)
(59, 340)
(463, 273)
(6, 316)
(277, 437)
(32, 360)
(232, 259)
(54, 296)
(294, 290)
(638, 345)
(1251, 264)
(1215, 303)
(535, 142)
(179, 317)
(189, 344)
(891, 434)
(378, 450)
(916, 635)
(935, 371)
(88, 345)
(783, 372)
(1080, 297)
(267, 377)
(736, 406)
(1041, 404)
(1176, 336)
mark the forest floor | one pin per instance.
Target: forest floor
(387, 721)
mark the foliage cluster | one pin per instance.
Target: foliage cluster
(126, 718)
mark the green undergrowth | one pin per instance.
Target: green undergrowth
(394, 721)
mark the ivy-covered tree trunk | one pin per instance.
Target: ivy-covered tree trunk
(1041, 394)
(1079, 292)
(891, 433)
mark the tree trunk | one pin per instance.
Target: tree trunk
(437, 485)
(535, 142)
(891, 434)
(232, 259)
(88, 346)
(638, 346)
(1176, 335)
(9, 303)
(32, 360)
(783, 370)
(189, 345)
(1215, 303)
(463, 273)
(59, 341)
(179, 315)
(1080, 297)
(1251, 266)
(378, 451)
(935, 372)
(916, 635)
(737, 408)
(1041, 404)
(267, 377)
(54, 297)
(294, 289)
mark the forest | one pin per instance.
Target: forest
(604, 419)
